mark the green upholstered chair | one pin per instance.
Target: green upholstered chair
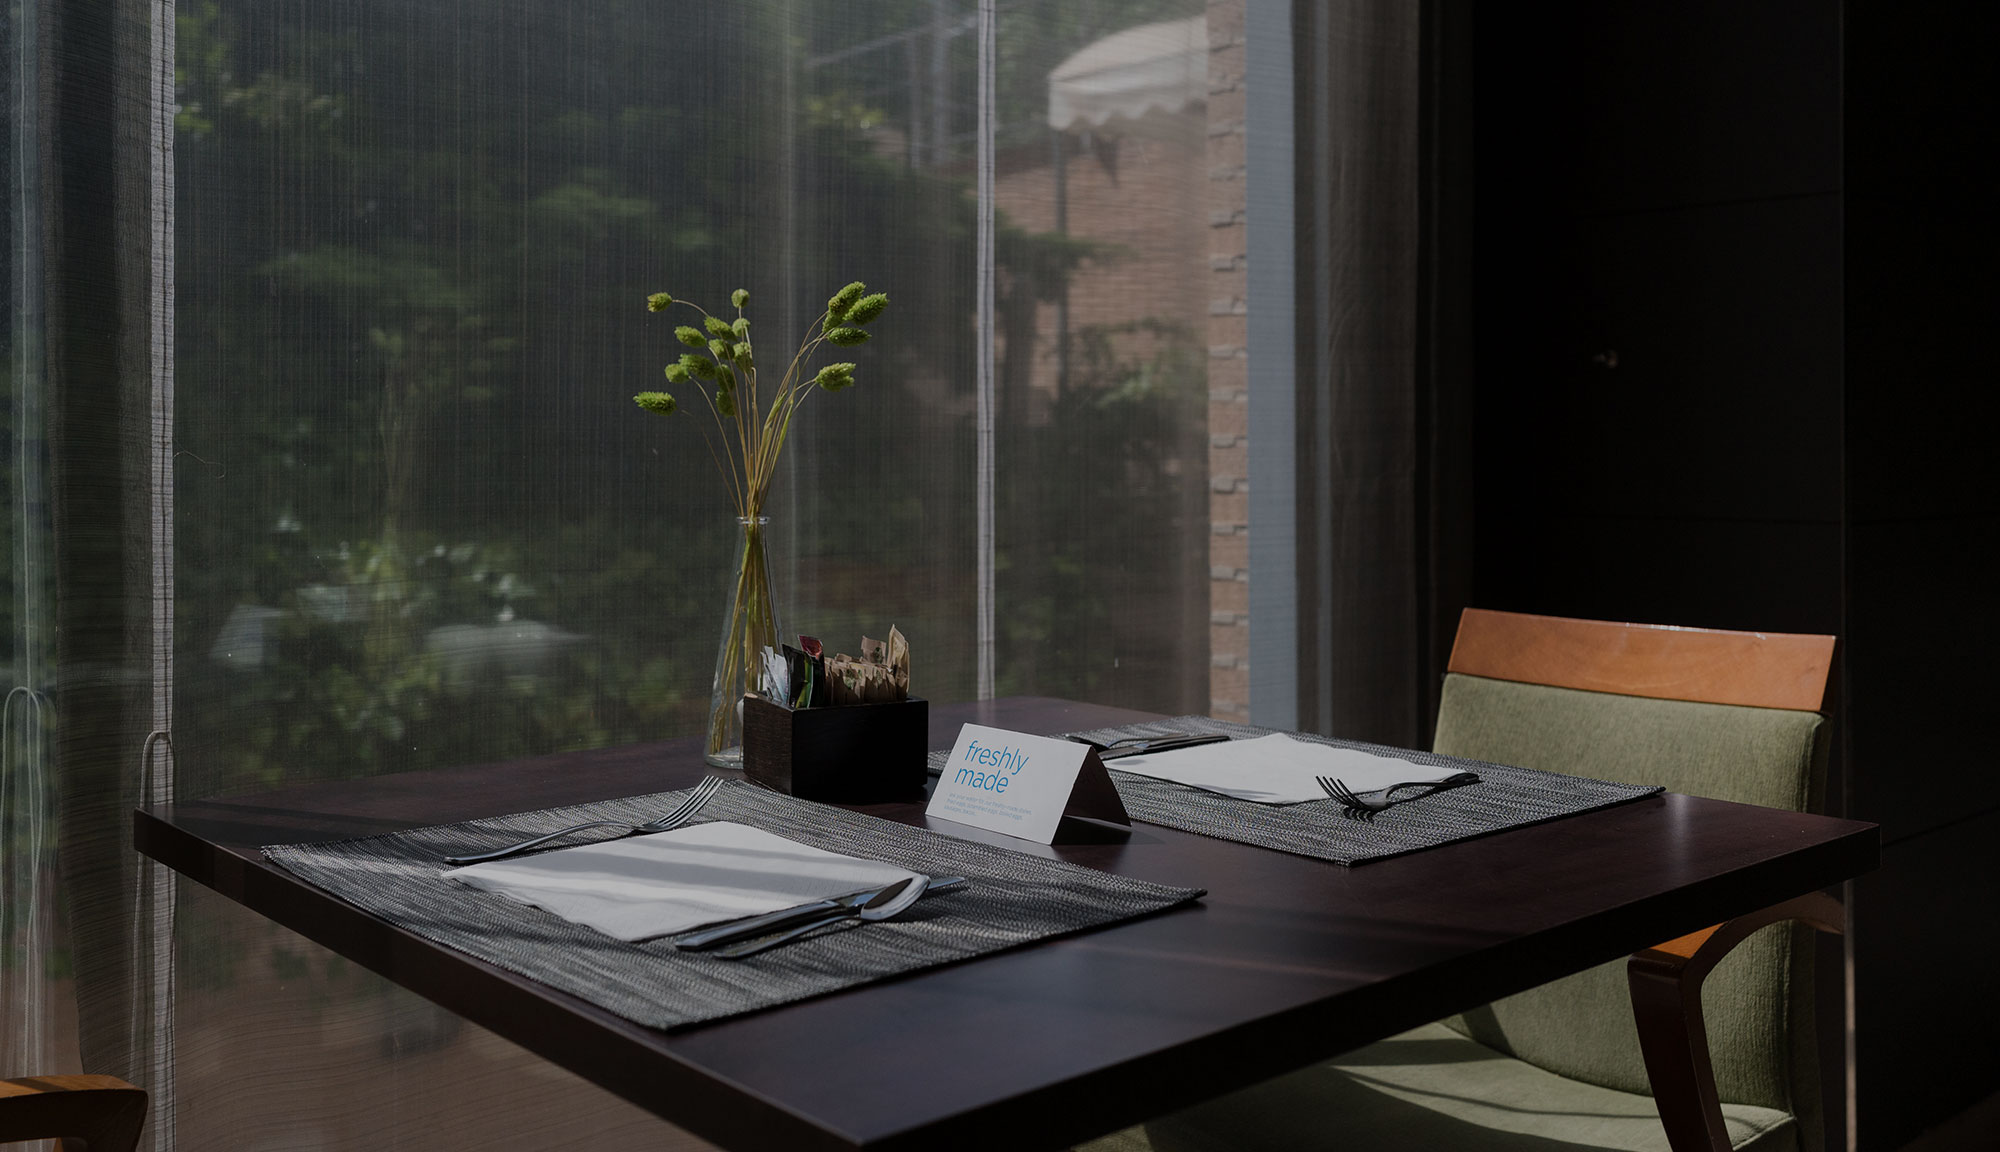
(1727, 1057)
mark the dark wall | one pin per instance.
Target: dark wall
(1731, 284)
(1922, 555)
(1659, 313)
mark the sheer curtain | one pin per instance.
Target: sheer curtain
(85, 951)
(1368, 433)
(323, 327)
(31, 1038)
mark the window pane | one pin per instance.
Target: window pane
(1102, 186)
(421, 521)
(425, 523)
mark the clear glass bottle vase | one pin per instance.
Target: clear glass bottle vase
(750, 626)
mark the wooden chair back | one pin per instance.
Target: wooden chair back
(1708, 666)
(101, 1113)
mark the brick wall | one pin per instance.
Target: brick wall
(1228, 371)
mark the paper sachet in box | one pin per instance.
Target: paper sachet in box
(880, 675)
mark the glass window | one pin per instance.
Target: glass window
(423, 523)
(417, 519)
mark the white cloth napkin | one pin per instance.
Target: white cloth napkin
(645, 886)
(1276, 769)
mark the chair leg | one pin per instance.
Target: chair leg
(1674, 1042)
(1665, 983)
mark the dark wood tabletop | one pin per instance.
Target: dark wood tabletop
(1286, 961)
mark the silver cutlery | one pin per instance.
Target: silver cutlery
(1366, 804)
(1143, 745)
(682, 813)
(766, 923)
(880, 905)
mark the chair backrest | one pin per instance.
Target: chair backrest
(103, 1111)
(1728, 715)
(1703, 665)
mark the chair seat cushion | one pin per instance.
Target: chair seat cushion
(1432, 1088)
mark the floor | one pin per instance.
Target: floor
(1977, 1129)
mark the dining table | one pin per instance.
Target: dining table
(1285, 961)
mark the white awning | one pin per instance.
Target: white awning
(1130, 73)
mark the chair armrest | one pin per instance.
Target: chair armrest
(1666, 1002)
(103, 1110)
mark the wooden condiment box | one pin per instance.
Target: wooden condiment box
(843, 754)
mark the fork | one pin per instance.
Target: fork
(1357, 805)
(682, 813)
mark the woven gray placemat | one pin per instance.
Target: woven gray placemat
(1009, 899)
(1504, 798)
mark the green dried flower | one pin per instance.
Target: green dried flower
(867, 308)
(844, 299)
(834, 377)
(720, 362)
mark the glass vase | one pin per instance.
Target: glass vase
(750, 626)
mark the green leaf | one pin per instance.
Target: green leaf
(740, 297)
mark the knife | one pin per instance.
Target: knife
(1152, 744)
(702, 939)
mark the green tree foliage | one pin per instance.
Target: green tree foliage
(410, 256)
